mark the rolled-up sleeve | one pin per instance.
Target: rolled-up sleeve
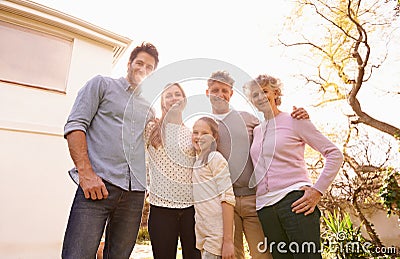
(85, 106)
(220, 170)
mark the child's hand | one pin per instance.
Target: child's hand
(228, 250)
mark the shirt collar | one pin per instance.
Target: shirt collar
(127, 87)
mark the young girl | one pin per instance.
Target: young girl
(212, 193)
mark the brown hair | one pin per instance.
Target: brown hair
(214, 129)
(145, 47)
(156, 137)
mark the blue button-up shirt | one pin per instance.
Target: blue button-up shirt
(113, 118)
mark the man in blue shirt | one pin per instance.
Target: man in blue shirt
(105, 138)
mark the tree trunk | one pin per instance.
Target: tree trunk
(368, 226)
(368, 120)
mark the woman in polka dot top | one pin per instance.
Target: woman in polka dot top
(170, 158)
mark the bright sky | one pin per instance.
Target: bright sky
(232, 31)
(242, 33)
(228, 30)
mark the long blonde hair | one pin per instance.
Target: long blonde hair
(156, 137)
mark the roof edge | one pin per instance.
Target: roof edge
(47, 15)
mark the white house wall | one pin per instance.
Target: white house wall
(36, 191)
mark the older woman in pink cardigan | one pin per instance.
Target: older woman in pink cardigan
(286, 198)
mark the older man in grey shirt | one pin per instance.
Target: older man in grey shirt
(105, 138)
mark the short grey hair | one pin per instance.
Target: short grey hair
(222, 77)
(263, 81)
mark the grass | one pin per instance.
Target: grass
(143, 236)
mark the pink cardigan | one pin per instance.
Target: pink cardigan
(282, 162)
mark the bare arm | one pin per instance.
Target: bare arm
(228, 250)
(92, 185)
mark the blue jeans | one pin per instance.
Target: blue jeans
(291, 235)
(121, 211)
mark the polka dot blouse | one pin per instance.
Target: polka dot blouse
(169, 167)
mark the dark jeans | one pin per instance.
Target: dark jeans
(121, 211)
(291, 235)
(166, 225)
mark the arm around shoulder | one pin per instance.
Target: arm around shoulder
(250, 119)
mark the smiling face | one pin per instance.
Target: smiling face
(220, 94)
(263, 98)
(202, 136)
(140, 68)
(172, 95)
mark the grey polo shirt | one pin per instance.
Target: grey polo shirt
(113, 118)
